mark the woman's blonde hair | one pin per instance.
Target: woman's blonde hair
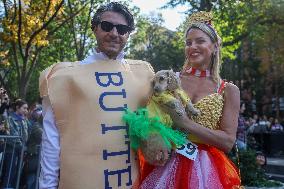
(202, 21)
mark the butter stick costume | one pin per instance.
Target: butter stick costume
(88, 102)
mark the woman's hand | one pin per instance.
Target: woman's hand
(155, 151)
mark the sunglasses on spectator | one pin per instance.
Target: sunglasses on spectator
(120, 28)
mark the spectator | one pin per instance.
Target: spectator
(263, 125)
(276, 126)
(270, 122)
(266, 121)
(4, 101)
(4, 104)
(18, 126)
(241, 131)
(3, 131)
(33, 145)
(253, 123)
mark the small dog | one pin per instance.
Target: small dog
(167, 85)
(167, 91)
(151, 128)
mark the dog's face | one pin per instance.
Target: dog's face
(160, 82)
(165, 80)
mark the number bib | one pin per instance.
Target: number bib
(188, 149)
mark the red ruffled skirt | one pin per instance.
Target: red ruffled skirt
(210, 170)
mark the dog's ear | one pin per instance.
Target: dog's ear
(173, 80)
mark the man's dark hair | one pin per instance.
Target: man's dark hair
(113, 7)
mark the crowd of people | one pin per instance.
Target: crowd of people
(22, 151)
(248, 126)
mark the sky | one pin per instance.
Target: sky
(173, 16)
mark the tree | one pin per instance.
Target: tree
(269, 50)
(200, 5)
(80, 27)
(155, 44)
(252, 34)
(28, 27)
(71, 42)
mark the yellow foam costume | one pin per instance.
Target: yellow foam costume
(88, 102)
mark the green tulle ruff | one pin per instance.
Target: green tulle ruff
(141, 126)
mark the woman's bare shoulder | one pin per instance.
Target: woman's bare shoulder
(231, 89)
(232, 96)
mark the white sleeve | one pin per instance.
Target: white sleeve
(178, 74)
(50, 150)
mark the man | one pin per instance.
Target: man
(84, 138)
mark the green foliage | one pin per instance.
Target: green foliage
(253, 45)
(79, 29)
(156, 44)
(252, 174)
(67, 37)
(199, 5)
(252, 33)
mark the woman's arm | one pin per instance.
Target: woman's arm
(225, 137)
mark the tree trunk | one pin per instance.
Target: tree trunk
(277, 102)
(23, 89)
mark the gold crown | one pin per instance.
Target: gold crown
(201, 17)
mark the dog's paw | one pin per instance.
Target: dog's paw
(191, 110)
(172, 104)
(155, 151)
(195, 112)
(177, 107)
(180, 111)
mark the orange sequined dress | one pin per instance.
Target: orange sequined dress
(210, 170)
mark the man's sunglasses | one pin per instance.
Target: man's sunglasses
(108, 26)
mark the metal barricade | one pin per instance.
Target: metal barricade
(11, 165)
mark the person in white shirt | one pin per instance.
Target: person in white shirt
(85, 143)
(276, 126)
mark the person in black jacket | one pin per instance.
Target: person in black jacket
(33, 146)
(4, 100)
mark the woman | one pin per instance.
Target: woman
(214, 131)
(242, 127)
(18, 126)
(276, 126)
